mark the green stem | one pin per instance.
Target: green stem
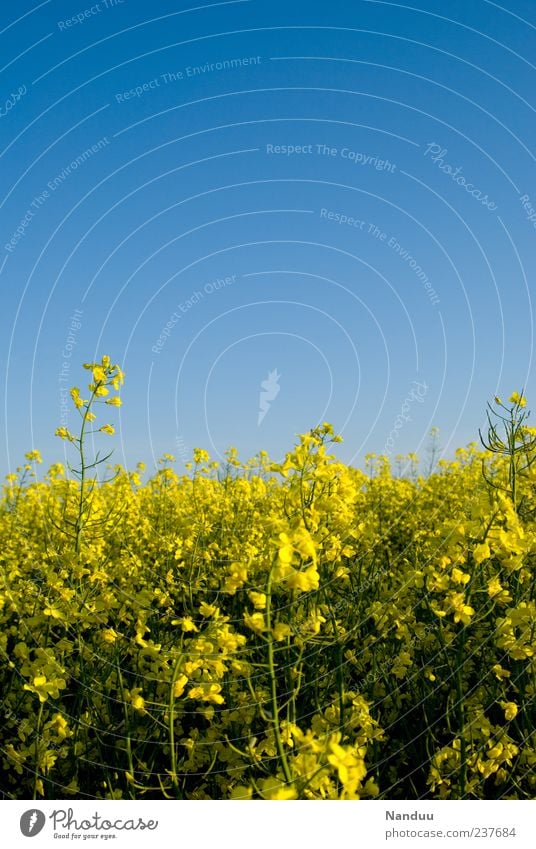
(37, 731)
(461, 712)
(79, 522)
(171, 728)
(273, 684)
(127, 726)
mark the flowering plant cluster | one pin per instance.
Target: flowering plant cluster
(293, 630)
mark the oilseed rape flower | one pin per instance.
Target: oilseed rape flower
(281, 631)
(481, 552)
(516, 398)
(258, 599)
(291, 630)
(75, 395)
(255, 621)
(207, 693)
(64, 433)
(510, 710)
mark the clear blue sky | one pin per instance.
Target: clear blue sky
(339, 192)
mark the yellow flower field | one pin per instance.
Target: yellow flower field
(293, 630)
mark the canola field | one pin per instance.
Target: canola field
(283, 630)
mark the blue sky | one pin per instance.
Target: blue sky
(339, 193)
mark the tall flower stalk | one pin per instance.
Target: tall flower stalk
(106, 377)
(517, 443)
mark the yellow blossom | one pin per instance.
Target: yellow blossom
(187, 624)
(34, 456)
(481, 552)
(63, 433)
(179, 685)
(510, 710)
(519, 400)
(137, 701)
(110, 635)
(281, 631)
(255, 621)
(258, 599)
